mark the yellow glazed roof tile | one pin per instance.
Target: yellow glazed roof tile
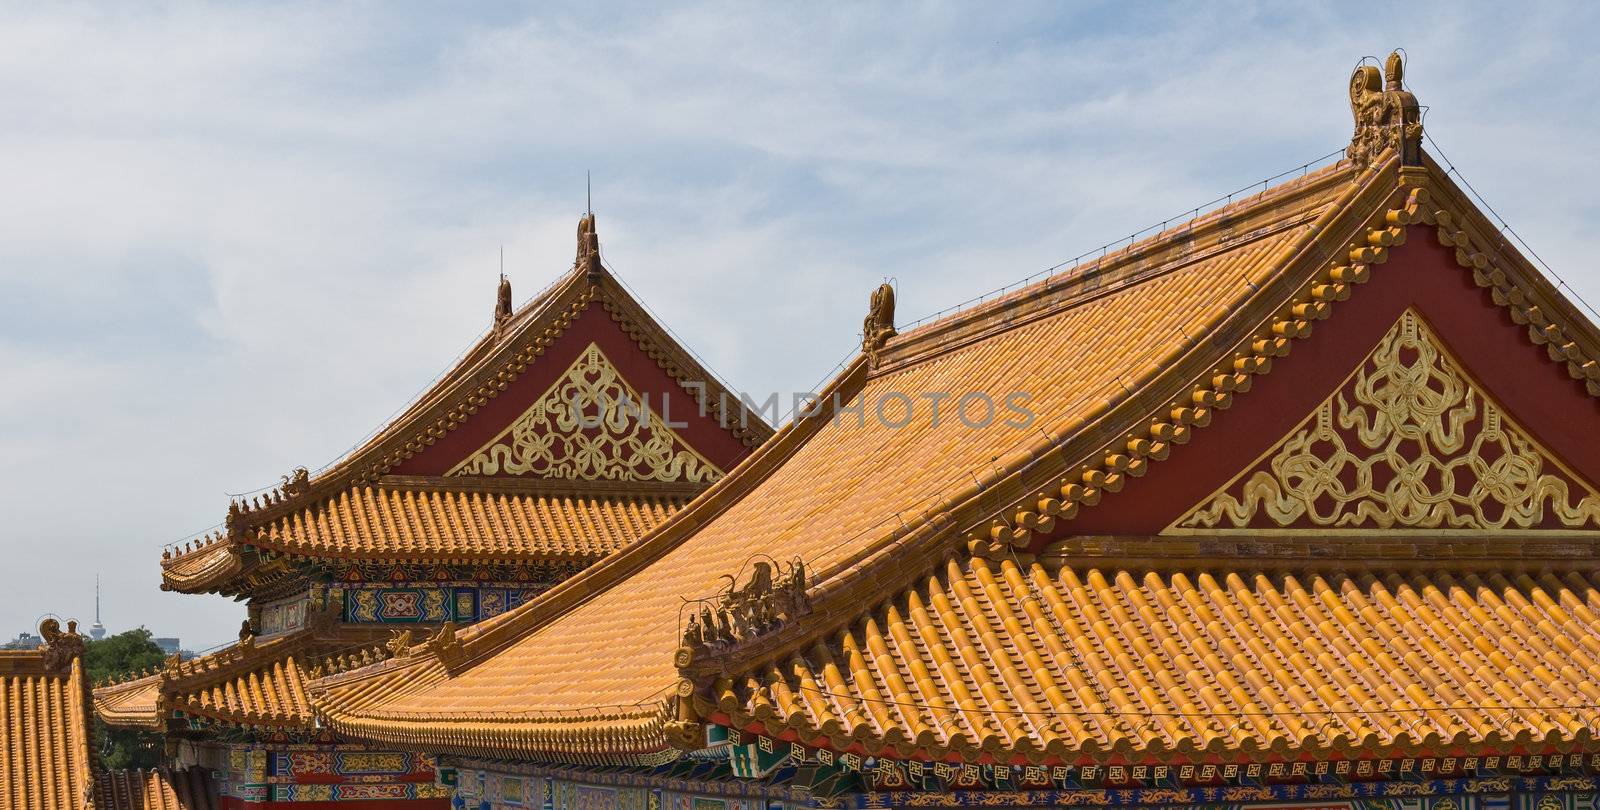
(380, 522)
(257, 684)
(1090, 661)
(354, 508)
(44, 733)
(412, 521)
(131, 704)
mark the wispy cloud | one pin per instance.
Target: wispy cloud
(233, 239)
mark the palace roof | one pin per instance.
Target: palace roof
(257, 685)
(45, 760)
(979, 591)
(487, 466)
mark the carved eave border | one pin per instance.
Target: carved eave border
(1023, 503)
(1416, 551)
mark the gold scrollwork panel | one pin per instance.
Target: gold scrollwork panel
(590, 425)
(1409, 442)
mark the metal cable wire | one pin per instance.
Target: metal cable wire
(1505, 228)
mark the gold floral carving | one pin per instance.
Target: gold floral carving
(1409, 442)
(590, 425)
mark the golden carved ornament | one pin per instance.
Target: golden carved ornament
(878, 326)
(590, 425)
(588, 259)
(1387, 116)
(1409, 442)
(400, 643)
(774, 594)
(60, 647)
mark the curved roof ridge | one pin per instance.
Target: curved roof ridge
(1277, 207)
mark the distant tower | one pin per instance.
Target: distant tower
(97, 631)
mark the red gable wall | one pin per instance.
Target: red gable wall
(593, 325)
(1421, 275)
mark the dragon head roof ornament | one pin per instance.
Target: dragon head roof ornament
(879, 324)
(1387, 116)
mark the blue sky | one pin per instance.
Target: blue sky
(235, 238)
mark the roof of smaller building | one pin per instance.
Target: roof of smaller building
(408, 519)
(488, 465)
(131, 704)
(260, 684)
(45, 761)
(156, 789)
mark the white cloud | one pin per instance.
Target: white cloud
(234, 239)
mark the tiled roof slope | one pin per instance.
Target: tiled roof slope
(45, 755)
(343, 512)
(833, 492)
(405, 520)
(1400, 642)
(262, 684)
(156, 789)
(1224, 660)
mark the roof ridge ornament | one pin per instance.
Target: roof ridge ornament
(297, 482)
(879, 324)
(502, 302)
(1387, 116)
(446, 646)
(774, 594)
(60, 648)
(588, 249)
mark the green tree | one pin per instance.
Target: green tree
(117, 658)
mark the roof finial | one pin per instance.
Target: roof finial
(589, 248)
(1387, 116)
(502, 300)
(60, 648)
(879, 324)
